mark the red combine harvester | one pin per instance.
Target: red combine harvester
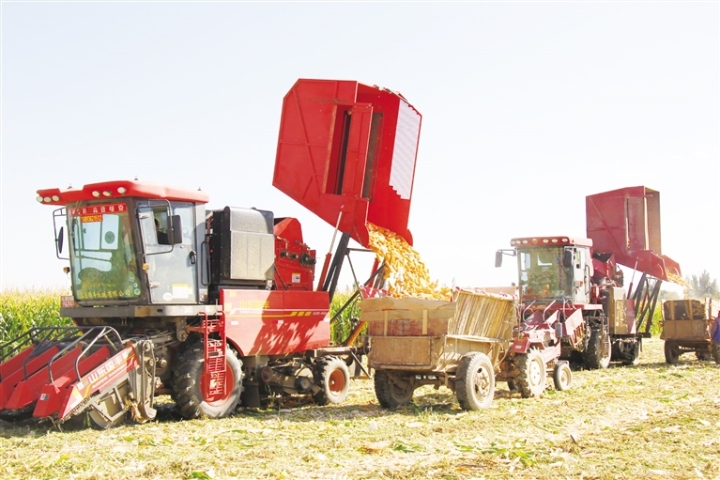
(215, 307)
(577, 281)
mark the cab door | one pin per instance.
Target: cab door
(171, 268)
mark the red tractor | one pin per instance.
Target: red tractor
(215, 307)
(578, 280)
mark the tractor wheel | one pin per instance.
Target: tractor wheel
(333, 378)
(716, 352)
(597, 352)
(634, 358)
(390, 394)
(475, 381)
(671, 353)
(532, 376)
(704, 356)
(562, 376)
(191, 385)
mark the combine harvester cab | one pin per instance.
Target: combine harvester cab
(215, 307)
(579, 278)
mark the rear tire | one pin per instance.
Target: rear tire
(671, 353)
(475, 381)
(532, 376)
(188, 385)
(333, 378)
(597, 352)
(390, 394)
(562, 376)
(716, 352)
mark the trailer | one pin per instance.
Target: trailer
(465, 344)
(686, 329)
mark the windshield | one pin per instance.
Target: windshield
(542, 274)
(102, 252)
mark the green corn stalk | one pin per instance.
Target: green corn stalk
(21, 310)
(343, 326)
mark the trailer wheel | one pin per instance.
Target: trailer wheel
(531, 379)
(671, 353)
(333, 378)
(390, 394)
(598, 350)
(475, 381)
(562, 376)
(191, 387)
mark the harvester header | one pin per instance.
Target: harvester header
(347, 151)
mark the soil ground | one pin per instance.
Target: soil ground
(651, 421)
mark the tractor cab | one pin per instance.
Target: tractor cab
(129, 242)
(552, 270)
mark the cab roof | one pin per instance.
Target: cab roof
(119, 189)
(550, 241)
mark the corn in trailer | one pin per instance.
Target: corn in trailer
(686, 329)
(600, 316)
(466, 345)
(216, 307)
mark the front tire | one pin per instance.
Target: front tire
(562, 376)
(532, 376)
(389, 393)
(597, 353)
(333, 378)
(475, 381)
(190, 385)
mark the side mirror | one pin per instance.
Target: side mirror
(567, 258)
(60, 240)
(175, 230)
(498, 259)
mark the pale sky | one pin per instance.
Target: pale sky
(527, 108)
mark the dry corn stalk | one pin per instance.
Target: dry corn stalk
(405, 273)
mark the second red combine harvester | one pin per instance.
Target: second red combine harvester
(576, 283)
(215, 307)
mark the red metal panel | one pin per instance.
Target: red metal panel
(31, 365)
(294, 261)
(54, 395)
(14, 363)
(349, 148)
(626, 223)
(262, 322)
(99, 379)
(28, 391)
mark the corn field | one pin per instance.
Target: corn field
(21, 310)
